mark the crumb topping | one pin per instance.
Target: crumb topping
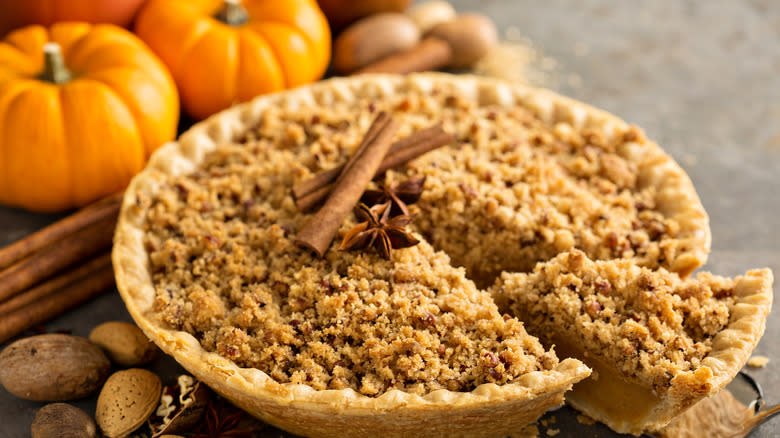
(512, 191)
(651, 324)
(546, 189)
(226, 270)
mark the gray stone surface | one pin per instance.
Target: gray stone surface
(700, 77)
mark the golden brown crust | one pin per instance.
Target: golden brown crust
(489, 410)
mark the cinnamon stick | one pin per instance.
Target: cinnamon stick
(329, 176)
(55, 284)
(61, 254)
(379, 124)
(415, 150)
(107, 207)
(308, 194)
(317, 234)
(431, 54)
(70, 296)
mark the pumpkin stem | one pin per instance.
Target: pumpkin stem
(54, 69)
(232, 13)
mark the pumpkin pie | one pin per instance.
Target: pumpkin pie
(352, 342)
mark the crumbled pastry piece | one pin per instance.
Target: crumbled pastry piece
(757, 361)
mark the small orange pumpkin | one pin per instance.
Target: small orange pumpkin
(81, 109)
(221, 52)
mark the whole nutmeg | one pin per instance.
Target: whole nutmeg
(470, 37)
(126, 401)
(373, 38)
(53, 367)
(61, 420)
(428, 14)
(124, 343)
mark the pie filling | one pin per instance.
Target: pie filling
(607, 394)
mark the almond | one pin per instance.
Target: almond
(126, 401)
(53, 367)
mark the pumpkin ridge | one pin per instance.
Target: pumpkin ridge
(276, 58)
(82, 56)
(199, 29)
(274, 73)
(14, 183)
(62, 34)
(134, 106)
(212, 70)
(66, 146)
(322, 57)
(24, 66)
(235, 47)
(18, 39)
(115, 165)
(5, 102)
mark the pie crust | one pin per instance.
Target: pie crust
(488, 410)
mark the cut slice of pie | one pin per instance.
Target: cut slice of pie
(657, 344)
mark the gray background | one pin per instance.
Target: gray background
(701, 77)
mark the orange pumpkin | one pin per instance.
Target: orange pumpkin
(78, 122)
(47, 12)
(221, 52)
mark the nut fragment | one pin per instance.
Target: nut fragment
(124, 343)
(53, 367)
(61, 420)
(126, 401)
(181, 407)
(428, 14)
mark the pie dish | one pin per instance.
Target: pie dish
(656, 343)
(353, 343)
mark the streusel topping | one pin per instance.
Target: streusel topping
(227, 271)
(650, 324)
(512, 191)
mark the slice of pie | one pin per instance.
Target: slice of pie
(352, 344)
(657, 344)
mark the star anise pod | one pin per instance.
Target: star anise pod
(223, 424)
(399, 195)
(379, 230)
